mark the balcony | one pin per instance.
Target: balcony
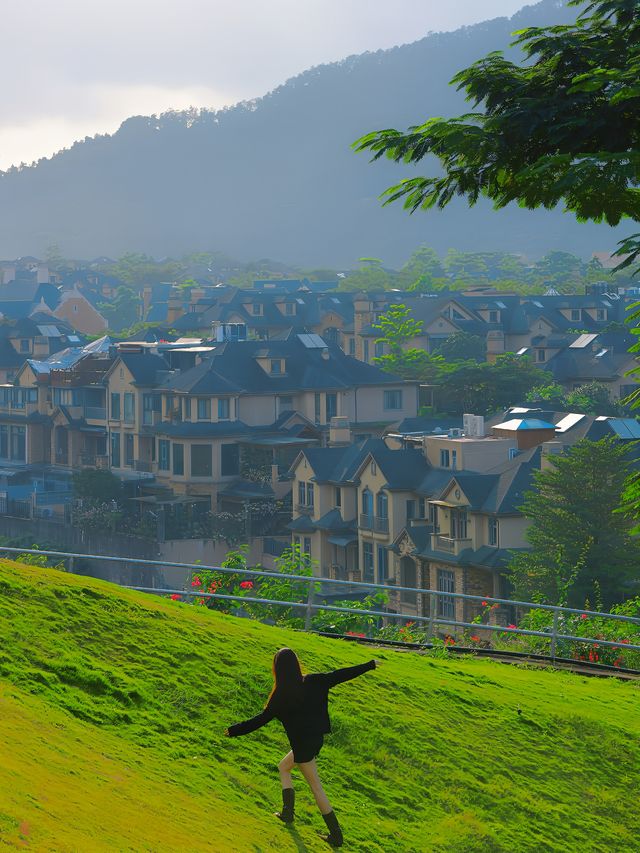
(366, 522)
(450, 545)
(304, 509)
(94, 460)
(145, 467)
(95, 413)
(381, 524)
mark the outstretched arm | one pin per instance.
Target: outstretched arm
(252, 724)
(349, 672)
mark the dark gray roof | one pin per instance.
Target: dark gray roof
(145, 368)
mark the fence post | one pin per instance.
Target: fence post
(72, 563)
(309, 610)
(432, 615)
(554, 634)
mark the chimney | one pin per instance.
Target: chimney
(339, 432)
(549, 449)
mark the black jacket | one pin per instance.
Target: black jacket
(308, 714)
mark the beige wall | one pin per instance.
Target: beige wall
(473, 454)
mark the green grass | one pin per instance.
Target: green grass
(112, 714)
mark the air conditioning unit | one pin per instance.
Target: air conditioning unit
(455, 432)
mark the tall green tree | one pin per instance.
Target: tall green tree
(397, 328)
(581, 544)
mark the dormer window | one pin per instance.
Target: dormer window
(576, 314)
(494, 317)
(289, 308)
(276, 367)
(256, 308)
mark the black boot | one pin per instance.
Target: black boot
(335, 833)
(288, 800)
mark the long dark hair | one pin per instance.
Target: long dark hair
(287, 676)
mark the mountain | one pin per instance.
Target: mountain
(276, 177)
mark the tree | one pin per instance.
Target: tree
(462, 346)
(593, 398)
(581, 544)
(562, 128)
(398, 327)
(122, 311)
(371, 276)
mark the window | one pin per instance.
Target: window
(18, 443)
(115, 449)
(367, 503)
(150, 404)
(493, 316)
(367, 561)
(224, 409)
(256, 308)
(601, 314)
(352, 346)
(433, 517)
(445, 459)
(316, 408)
(422, 508)
(493, 532)
(201, 460)
(383, 564)
(276, 366)
(338, 497)
(411, 510)
(302, 494)
(392, 400)
(458, 524)
(177, 451)
(454, 459)
(310, 495)
(115, 407)
(229, 460)
(366, 349)
(69, 397)
(168, 404)
(576, 314)
(128, 407)
(408, 577)
(331, 406)
(25, 345)
(540, 355)
(307, 545)
(204, 409)
(379, 349)
(285, 404)
(446, 581)
(186, 408)
(128, 450)
(382, 505)
(289, 308)
(163, 454)
(4, 441)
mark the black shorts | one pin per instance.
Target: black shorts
(307, 749)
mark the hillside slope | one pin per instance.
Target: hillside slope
(277, 177)
(113, 707)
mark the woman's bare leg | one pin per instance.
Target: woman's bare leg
(310, 772)
(284, 769)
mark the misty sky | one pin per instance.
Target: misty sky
(74, 68)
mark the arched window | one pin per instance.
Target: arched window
(382, 505)
(367, 503)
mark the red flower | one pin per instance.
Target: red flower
(176, 597)
(246, 585)
(584, 616)
(354, 634)
(484, 603)
(475, 639)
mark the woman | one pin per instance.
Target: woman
(301, 703)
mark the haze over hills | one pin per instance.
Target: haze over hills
(277, 177)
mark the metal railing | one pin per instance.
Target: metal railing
(433, 621)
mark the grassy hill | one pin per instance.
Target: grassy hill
(112, 714)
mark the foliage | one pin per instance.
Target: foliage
(580, 542)
(137, 270)
(97, 485)
(356, 624)
(593, 398)
(370, 276)
(119, 702)
(462, 346)
(486, 388)
(564, 127)
(123, 310)
(397, 328)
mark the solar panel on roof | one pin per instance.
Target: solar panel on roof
(49, 331)
(537, 304)
(501, 305)
(625, 427)
(582, 342)
(312, 341)
(568, 421)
